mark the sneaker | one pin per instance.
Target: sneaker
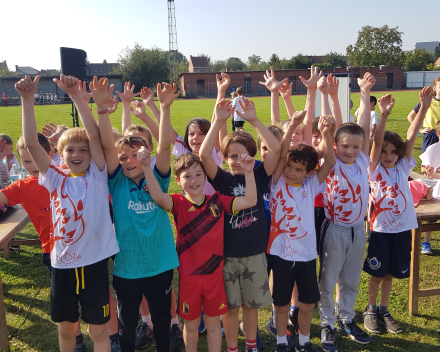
(354, 332)
(328, 339)
(80, 345)
(282, 347)
(143, 336)
(252, 350)
(260, 344)
(293, 318)
(370, 321)
(438, 330)
(116, 348)
(176, 337)
(336, 312)
(426, 248)
(17, 248)
(307, 347)
(391, 324)
(271, 329)
(202, 327)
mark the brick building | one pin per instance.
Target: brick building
(198, 64)
(203, 84)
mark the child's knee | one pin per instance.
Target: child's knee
(212, 323)
(306, 307)
(98, 332)
(67, 330)
(192, 325)
(282, 309)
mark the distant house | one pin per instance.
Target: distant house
(198, 64)
(437, 62)
(21, 71)
(430, 46)
(100, 69)
(318, 59)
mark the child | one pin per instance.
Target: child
(238, 121)
(292, 237)
(83, 235)
(144, 266)
(394, 216)
(343, 234)
(6, 151)
(373, 116)
(200, 217)
(53, 133)
(245, 233)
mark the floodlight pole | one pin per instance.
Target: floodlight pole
(172, 32)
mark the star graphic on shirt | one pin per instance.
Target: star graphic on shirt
(254, 305)
(227, 260)
(265, 287)
(233, 305)
(233, 277)
(248, 274)
(240, 261)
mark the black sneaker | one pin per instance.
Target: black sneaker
(354, 332)
(282, 347)
(307, 347)
(370, 321)
(336, 312)
(391, 324)
(293, 317)
(176, 337)
(328, 339)
(144, 336)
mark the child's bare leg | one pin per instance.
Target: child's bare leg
(112, 325)
(145, 310)
(281, 318)
(230, 324)
(250, 322)
(214, 330)
(427, 236)
(191, 334)
(373, 289)
(305, 318)
(173, 304)
(99, 336)
(67, 333)
(294, 301)
(78, 327)
(385, 289)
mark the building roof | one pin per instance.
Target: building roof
(25, 70)
(103, 68)
(199, 61)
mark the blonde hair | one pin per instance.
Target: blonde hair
(42, 139)
(131, 141)
(276, 130)
(434, 83)
(139, 129)
(75, 134)
(116, 133)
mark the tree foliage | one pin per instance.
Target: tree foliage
(300, 62)
(418, 59)
(377, 46)
(235, 64)
(5, 72)
(254, 60)
(334, 59)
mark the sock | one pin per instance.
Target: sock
(174, 320)
(281, 339)
(303, 339)
(251, 344)
(114, 339)
(233, 349)
(383, 309)
(272, 320)
(80, 338)
(372, 308)
(147, 319)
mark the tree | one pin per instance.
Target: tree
(104, 61)
(218, 65)
(418, 59)
(300, 61)
(437, 52)
(377, 46)
(235, 64)
(4, 70)
(253, 60)
(334, 59)
(142, 67)
(432, 67)
(274, 60)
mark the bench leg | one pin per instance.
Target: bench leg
(414, 270)
(4, 342)
(6, 251)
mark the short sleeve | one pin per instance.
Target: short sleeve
(176, 198)
(100, 176)
(363, 160)
(179, 147)
(13, 193)
(261, 177)
(313, 184)
(372, 175)
(375, 118)
(217, 156)
(153, 162)
(114, 179)
(274, 188)
(219, 179)
(417, 107)
(14, 161)
(408, 165)
(228, 203)
(54, 175)
(163, 180)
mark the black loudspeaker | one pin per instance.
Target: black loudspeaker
(73, 62)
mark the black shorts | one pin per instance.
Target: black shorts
(239, 123)
(286, 273)
(46, 261)
(389, 253)
(87, 286)
(319, 219)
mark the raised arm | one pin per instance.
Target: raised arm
(365, 85)
(250, 197)
(222, 85)
(126, 98)
(138, 110)
(286, 94)
(327, 126)
(27, 88)
(166, 98)
(386, 104)
(425, 97)
(324, 89)
(274, 86)
(295, 121)
(311, 85)
(162, 199)
(333, 84)
(273, 145)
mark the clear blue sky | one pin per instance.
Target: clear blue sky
(221, 29)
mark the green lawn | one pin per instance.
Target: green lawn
(23, 273)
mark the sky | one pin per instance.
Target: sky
(32, 32)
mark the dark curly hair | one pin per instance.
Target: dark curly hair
(304, 154)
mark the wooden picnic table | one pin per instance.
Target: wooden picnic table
(427, 210)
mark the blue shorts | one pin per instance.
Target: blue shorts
(429, 139)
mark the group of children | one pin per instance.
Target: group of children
(107, 196)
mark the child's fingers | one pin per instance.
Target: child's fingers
(112, 87)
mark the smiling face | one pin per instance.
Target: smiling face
(195, 137)
(28, 162)
(131, 167)
(192, 180)
(295, 172)
(76, 156)
(9, 148)
(234, 152)
(316, 139)
(348, 147)
(389, 155)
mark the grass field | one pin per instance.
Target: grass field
(23, 273)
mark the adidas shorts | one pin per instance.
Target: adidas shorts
(197, 292)
(389, 253)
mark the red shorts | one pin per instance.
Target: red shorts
(197, 291)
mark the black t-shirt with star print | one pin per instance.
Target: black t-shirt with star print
(245, 233)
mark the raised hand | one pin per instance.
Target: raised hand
(147, 95)
(270, 82)
(298, 118)
(367, 82)
(425, 96)
(333, 84)
(248, 110)
(223, 110)
(113, 105)
(52, 131)
(83, 90)
(139, 109)
(323, 85)
(246, 162)
(27, 87)
(312, 82)
(168, 94)
(100, 94)
(327, 124)
(128, 94)
(286, 90)
(386, 104)
(69, 84)
(224, 82)
(144, 156)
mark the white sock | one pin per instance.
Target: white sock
(174, 320)
(281, 339)
(303, 339)
(273, 322)
(147, 319)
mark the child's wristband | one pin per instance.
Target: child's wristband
(102, 112)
